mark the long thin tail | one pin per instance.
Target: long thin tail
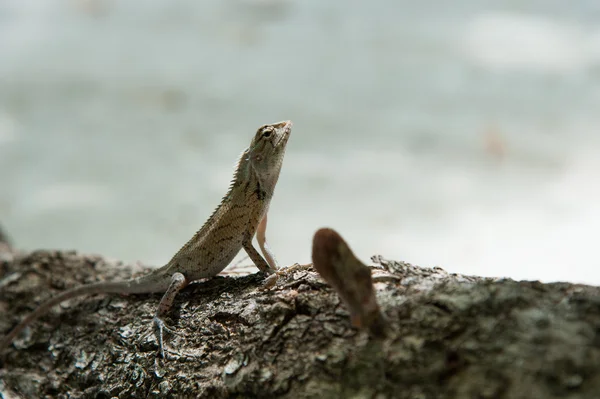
(129, 286)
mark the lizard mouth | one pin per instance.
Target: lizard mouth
(287, 130)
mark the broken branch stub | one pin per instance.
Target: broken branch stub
(351, 279)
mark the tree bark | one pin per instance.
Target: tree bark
(450, 336)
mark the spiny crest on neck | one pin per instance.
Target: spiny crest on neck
(248, 162)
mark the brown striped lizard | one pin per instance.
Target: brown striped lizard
(232, 226)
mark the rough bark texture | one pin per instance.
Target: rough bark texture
(451, 336)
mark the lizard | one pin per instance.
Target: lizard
(240, 216)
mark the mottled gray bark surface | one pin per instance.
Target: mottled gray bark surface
(451, 336)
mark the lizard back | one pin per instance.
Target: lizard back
(220, 239)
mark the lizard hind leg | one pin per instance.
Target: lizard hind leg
(178, 282)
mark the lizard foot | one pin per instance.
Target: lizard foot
(271, 280)
(159, 327)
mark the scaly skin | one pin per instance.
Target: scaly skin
(241, 214)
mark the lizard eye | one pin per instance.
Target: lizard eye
(266, 134)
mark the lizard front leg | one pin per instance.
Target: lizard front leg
(178, 282)
(258, 260)
(264, 246)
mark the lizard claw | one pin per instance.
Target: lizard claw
(159, 327)
(270, 281)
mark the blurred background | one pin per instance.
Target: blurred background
(461, 134)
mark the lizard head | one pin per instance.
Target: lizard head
(268, 148)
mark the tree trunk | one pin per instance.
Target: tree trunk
(449, 336)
